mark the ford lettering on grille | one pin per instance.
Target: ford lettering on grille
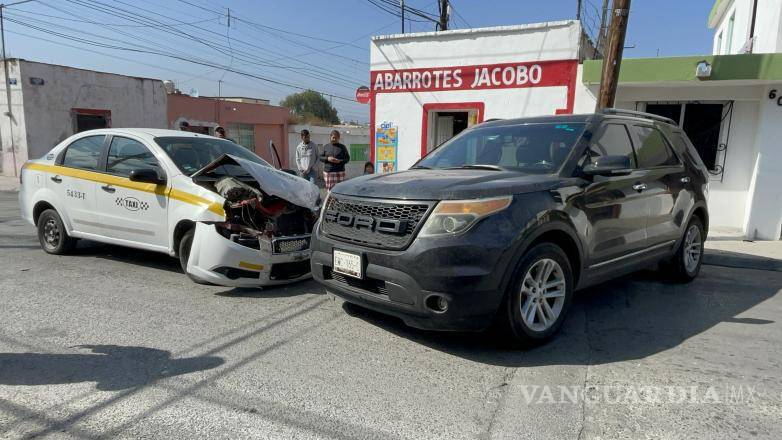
(382, 225)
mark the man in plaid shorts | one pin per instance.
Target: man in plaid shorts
(334, 157)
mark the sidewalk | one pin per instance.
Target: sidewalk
(9, 183)
(732, 252)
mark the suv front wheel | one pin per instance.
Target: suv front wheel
(539, 297)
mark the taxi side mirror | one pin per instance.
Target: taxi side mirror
(147, 175)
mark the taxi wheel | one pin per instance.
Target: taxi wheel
(52, 235)
(184, 255)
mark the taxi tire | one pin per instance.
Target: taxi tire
(184, 254)
(64, 243)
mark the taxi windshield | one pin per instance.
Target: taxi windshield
(535, 148)
(190, 154)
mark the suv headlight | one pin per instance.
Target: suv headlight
(456, 216)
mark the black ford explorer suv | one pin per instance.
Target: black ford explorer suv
(502, 223)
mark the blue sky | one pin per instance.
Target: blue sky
(197, 30)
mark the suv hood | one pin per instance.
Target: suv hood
(447, 184)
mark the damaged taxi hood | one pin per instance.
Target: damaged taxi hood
(274, 182)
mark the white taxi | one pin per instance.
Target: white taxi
(229, 216)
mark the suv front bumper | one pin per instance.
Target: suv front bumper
(466, 270)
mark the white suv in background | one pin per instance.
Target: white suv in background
(230, 217)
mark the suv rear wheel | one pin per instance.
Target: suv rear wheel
(538, 300)
(685, 265)
(52, 235)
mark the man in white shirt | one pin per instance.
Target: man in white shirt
(306, 157)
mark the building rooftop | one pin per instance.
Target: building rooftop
(474, 31)
(81, 68)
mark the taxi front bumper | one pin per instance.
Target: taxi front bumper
(219, 260)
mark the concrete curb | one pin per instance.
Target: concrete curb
(742, 261)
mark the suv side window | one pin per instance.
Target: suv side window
(682, 145)
(653, 150)
(612, 140)
(126, 155)
(84, 153)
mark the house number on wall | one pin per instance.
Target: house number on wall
(773, 95)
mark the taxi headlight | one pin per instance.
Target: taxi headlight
(456, 216)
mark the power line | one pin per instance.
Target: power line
(323, 74)
(174, 56)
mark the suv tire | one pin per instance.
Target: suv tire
(685, 265)
(52, 235)
(539, 296)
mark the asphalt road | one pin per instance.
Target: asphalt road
(117, 343)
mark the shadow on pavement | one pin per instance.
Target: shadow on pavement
(122, 254)
(625, 319)
(113, 367)
(305, 287)
(719, 257)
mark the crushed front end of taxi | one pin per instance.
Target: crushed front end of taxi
(265, 238)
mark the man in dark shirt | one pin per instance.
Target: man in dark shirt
(334, 157)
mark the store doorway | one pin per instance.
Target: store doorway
(444, 121)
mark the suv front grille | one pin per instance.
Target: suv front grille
(410, 213)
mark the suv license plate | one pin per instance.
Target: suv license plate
(348, 264)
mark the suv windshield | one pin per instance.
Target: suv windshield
(190, 154)
(536, 148)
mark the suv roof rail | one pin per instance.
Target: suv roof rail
(637, 114)
(492, 120)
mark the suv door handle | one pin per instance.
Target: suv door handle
(685, 179)
(639, 187)
(108, 188)
(56, 179)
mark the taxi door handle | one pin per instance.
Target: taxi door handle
(108, 188)
(56, 179)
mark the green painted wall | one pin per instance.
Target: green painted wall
(723, 67)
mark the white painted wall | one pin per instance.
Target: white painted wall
(765, 198)
(506, 44)
(768, 30)
(45, 110)
(14, 127)
(768, 27)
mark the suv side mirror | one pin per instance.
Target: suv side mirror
(147, 175)
(608, 166)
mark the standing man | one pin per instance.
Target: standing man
(306, 157)
(334, 157)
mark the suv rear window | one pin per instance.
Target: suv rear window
(652, 149)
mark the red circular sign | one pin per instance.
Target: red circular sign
(363, 95)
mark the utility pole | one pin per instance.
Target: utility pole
(7, 92)
(620, 13)
(444, 15)
(402, 4)
(578, 11)
(601, 36)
